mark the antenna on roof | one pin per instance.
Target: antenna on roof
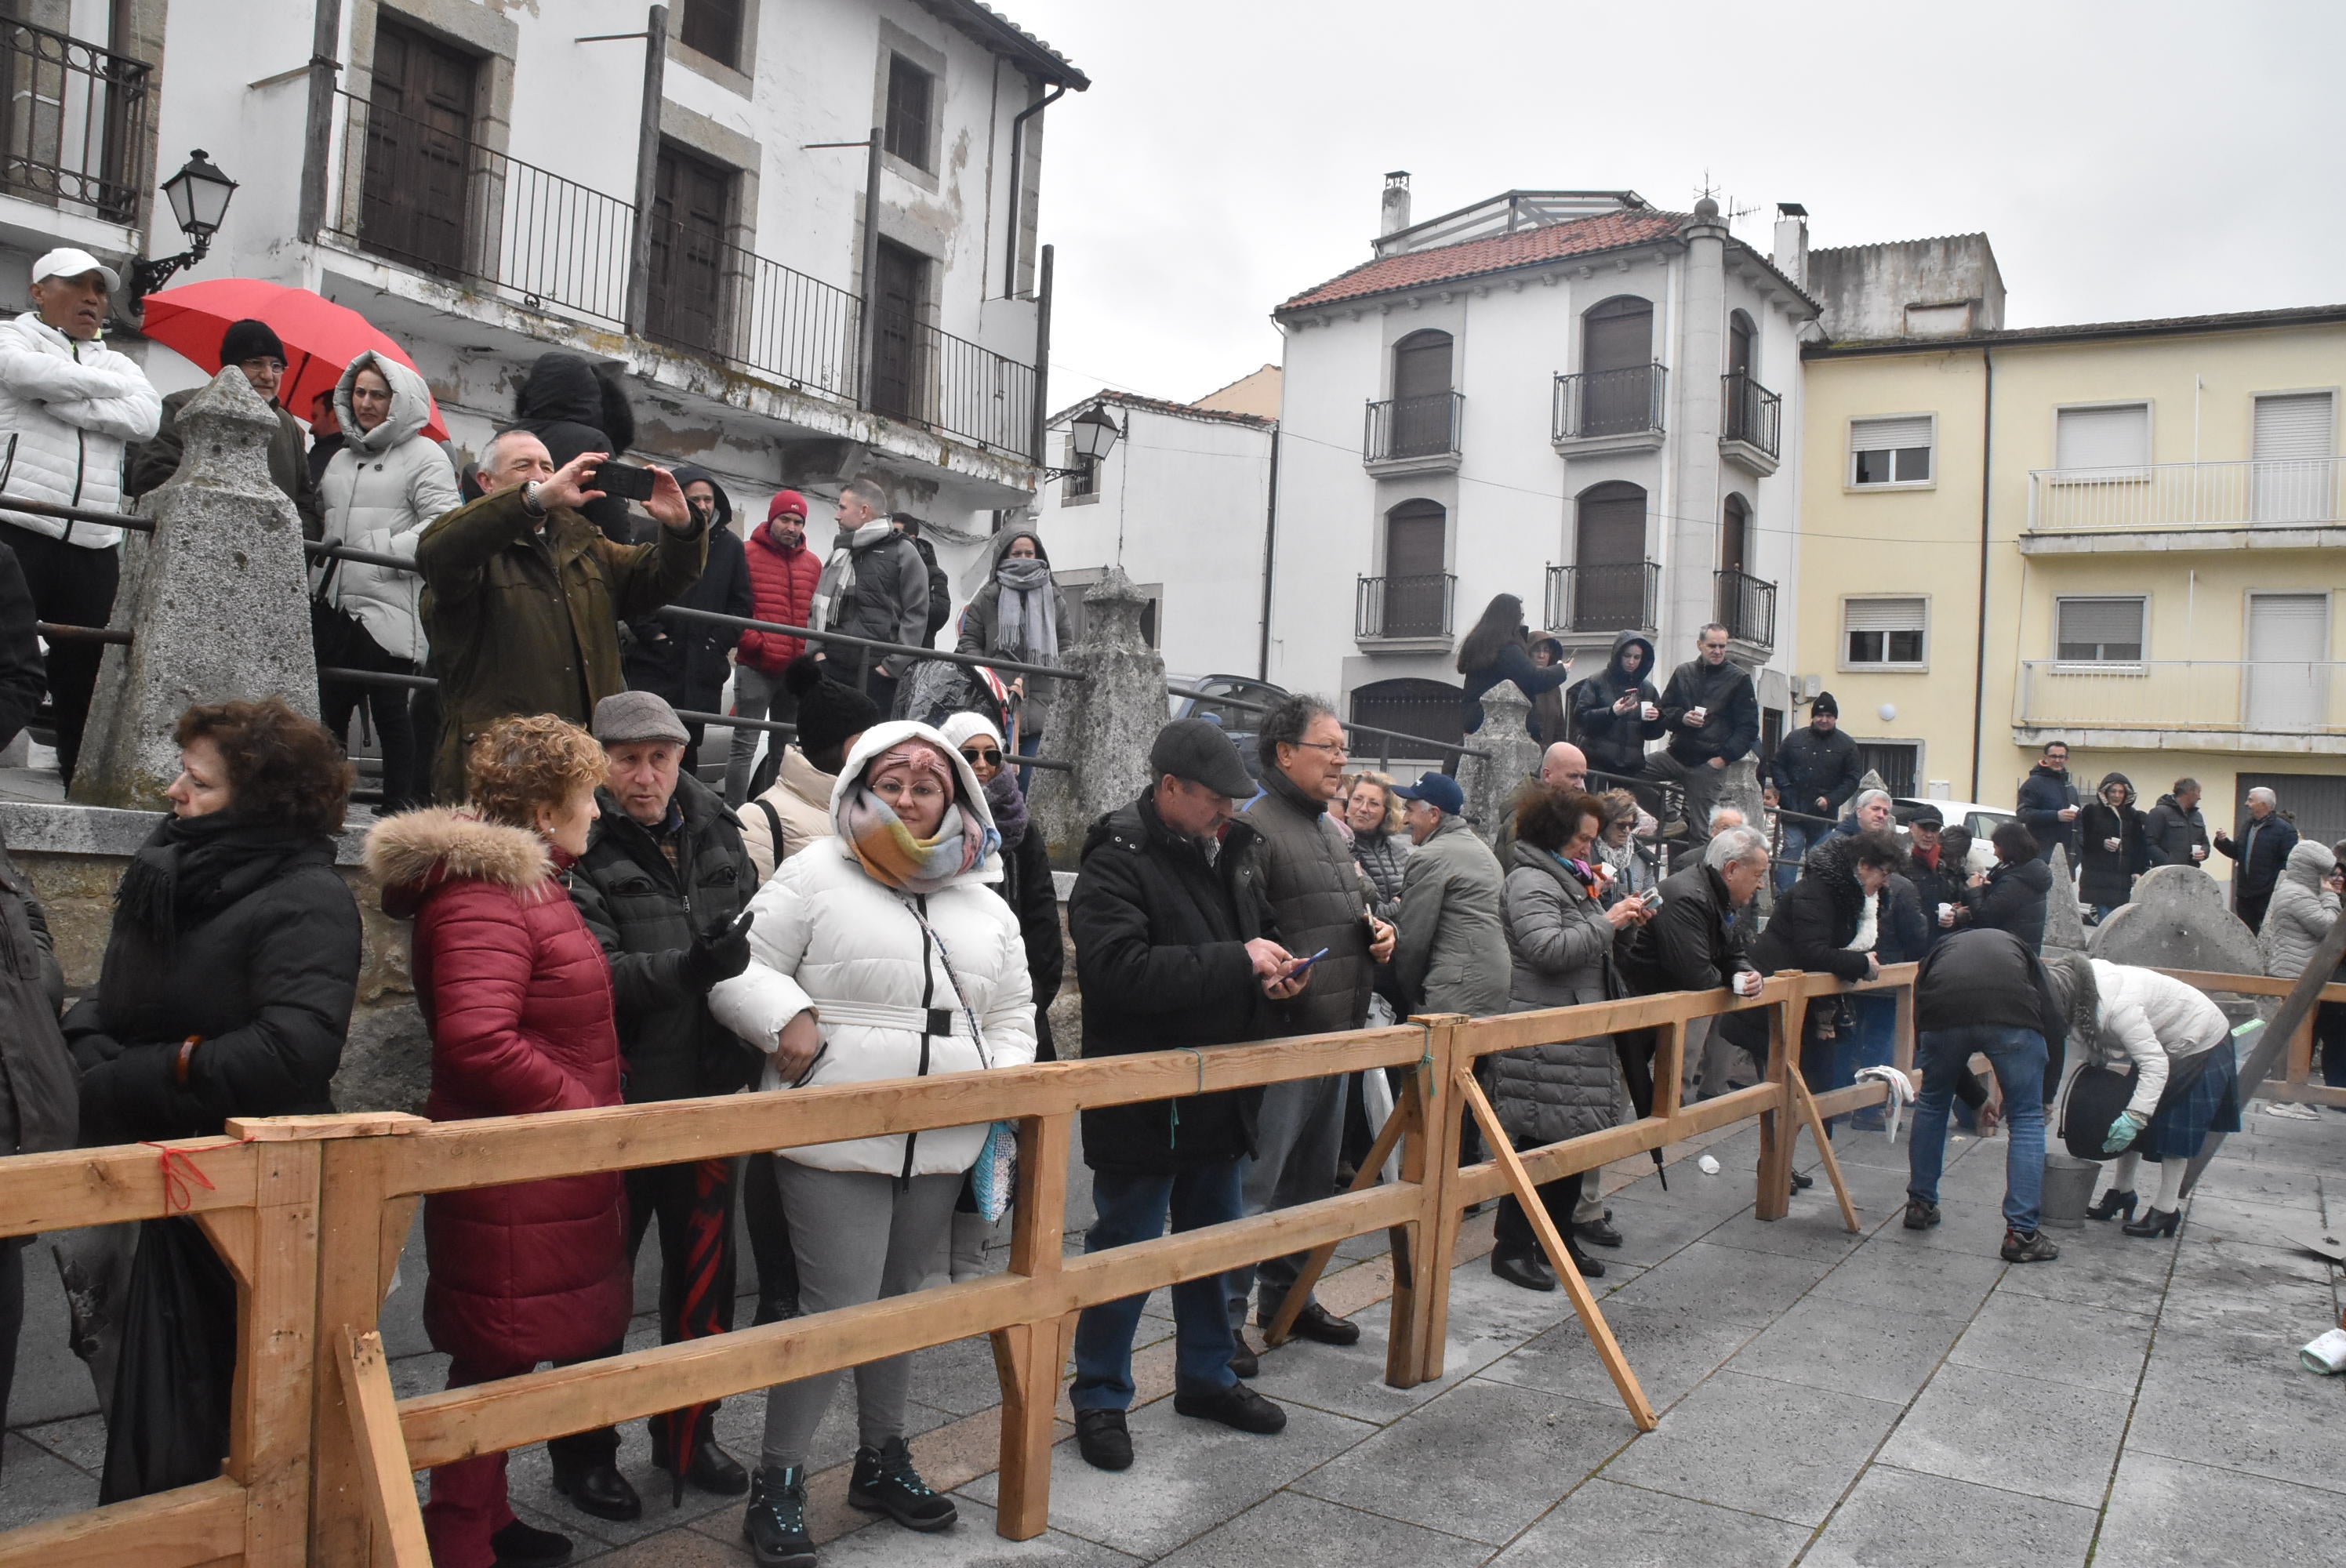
(1708, 192)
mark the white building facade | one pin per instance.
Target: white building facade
(1182, 502)
(661, 186)
(1568, 396)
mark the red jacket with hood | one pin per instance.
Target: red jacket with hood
(517, 995)
(782, 588)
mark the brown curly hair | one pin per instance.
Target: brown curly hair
(517, 765)
(1549, 816)
(281, 767)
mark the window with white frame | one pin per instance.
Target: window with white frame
(2108, 441)
(1891, 451)
(1883, 632)
(2100, 630)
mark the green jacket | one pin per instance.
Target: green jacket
(1451, 954)
(522, 622)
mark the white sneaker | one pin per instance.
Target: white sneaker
(2294, 1112)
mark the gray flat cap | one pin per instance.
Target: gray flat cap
(628, 716)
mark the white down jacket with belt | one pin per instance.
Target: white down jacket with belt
(2155, 1021)
(66, 409)
(830, 937)
(381, 490)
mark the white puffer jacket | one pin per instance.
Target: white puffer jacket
(67, 410)
(2300, 912)
(830, 937)
(381, 490)
(2155, 1021)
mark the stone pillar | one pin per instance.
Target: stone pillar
(216, 600)
(1490, 785)
(2065, 923)
(1103, 724)
(1689, 599)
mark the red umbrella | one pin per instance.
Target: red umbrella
(320, 337)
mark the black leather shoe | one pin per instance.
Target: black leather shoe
(1598, 1232)
(601, 1490)
(884, 1481)
(711, 1470)
(1316, 1322)
(1103, 1440)
(1236, 1405)
(1589, 1267)
(1525, 1270)
(2111, 1204)
(2155, 1222)
(1802, 1182)
(520, 1545)
(775, 1526)
(1243, 1360)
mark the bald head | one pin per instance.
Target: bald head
(1564, 766)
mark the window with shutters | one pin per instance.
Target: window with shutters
(1891, 451)
(685, 298)
(713, 27)
(2105, 630)
(1884, 634)
(2294, 478)
(2103, 443)
(912, 103)
(418, 128)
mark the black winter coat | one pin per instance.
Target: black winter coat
(575, 405)
(1905, 931)
(1808, 765)
(684, 660)
(2015, 900)
(1695, 943)
(1616, 742)
(1026, 886)
(645, 913)
(2043, 795)
(1987, 979)
(1160, 953)
(39, 1108)
(266, 976)
(1319, 896)
(1933, 886)
(23, 675)
(1730, 712)
(2168, 831)
(2107, 876)
(1809, 931)
(2260, 856)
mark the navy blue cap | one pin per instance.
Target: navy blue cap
(1436, 790)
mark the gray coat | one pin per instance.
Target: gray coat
(1561, 943)
(2300, 912)
(1452, 953)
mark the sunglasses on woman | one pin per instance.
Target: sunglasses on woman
(985, 754)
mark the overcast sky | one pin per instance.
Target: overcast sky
(2125, 159)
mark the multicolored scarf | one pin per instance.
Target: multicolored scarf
(889, 853)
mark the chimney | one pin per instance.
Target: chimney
(1791, 256)
(1395, 215)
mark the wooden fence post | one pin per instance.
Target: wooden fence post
(1028, 1357)
(1775, 1125)
(1435, 1249)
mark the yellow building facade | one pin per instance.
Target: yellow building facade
(2131, 537)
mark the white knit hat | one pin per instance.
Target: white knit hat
(959, 726)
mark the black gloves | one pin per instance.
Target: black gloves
(721, 952)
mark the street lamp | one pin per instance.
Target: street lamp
(1094, 435)
(198, 196)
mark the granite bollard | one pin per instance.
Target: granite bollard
(1490, 782)
(216, 600)
(1104, 722)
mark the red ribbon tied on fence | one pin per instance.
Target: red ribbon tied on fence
(177, 1194)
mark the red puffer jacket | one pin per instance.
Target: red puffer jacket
(517, 994)
(782, 588)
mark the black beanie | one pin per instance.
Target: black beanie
(1824, 704)
(829, 712)
(249, 340)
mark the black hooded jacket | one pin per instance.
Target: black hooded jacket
(575, 405)
(1810, 767)
(2107, 876)
(682, 660)
(1616, 742)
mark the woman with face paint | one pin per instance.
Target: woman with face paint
(882, 952)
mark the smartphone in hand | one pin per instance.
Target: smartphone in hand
(1305, 964)
(625, 480)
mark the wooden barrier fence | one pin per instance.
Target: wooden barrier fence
(311, 1214)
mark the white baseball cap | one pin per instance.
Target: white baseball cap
(68, 262)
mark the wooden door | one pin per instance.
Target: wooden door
(1617, 356)
(1610, 559)
(1416, 590)
(898, 380)
(686, 298)
(1422, 386)
(412, 203)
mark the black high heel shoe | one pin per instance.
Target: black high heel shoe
(2155, 1222)
(2111, 1205)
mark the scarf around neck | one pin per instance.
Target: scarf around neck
(190, 868)
(839, 573)
(1028, 625)
(1008, 804)
(891, 856)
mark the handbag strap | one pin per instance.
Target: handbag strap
(960, 995)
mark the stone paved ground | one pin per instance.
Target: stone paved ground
(1889, 1398)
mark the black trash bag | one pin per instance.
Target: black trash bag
(178, 1368)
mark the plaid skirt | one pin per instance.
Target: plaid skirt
(2209, 1103)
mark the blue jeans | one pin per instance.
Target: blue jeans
(1872, 1045)
(2018, 1057)
(1798, 838)
(1132, 1207)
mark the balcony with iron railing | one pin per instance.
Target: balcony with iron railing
(1746, 606)
(1604, 599)
(2290, 706)
(2289, 503)
(422, 197)
(1415, 610)
(1413, 434)
(1596, 411)
(1750, 424)
(73, 125)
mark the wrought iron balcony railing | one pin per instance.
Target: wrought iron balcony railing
(1747, 607)
(1751, 414)
(1604, 598)
(1626, 401)
(1413, 427)
(1414, 606)
(73, 123)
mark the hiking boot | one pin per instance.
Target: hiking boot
(884, 1481)
(1236, 1405)
(2029, 1247)
(1103, 1440)
(775, 1526)
(1922, 1214)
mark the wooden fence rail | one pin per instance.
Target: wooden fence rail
(310, 1213)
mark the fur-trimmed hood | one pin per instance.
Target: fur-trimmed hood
(411, 854)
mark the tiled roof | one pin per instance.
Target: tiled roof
(999, 31)
(1499, 253)
(1162, 405)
